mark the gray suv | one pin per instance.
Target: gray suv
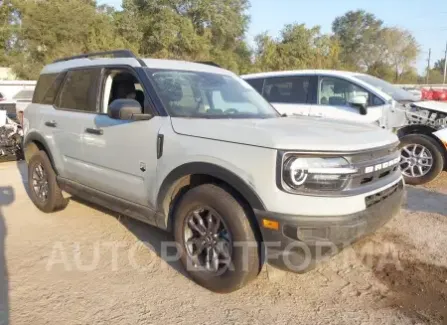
(193, 149)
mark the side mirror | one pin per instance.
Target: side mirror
(127, 109)
(361, 102)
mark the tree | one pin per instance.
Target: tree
(435, 77)
(266, 53)
(50, 29)
(34, 33)
(358, 35)
(439, 65)
(409, 76)
(382, 70)
(192, 30)
(8, 20)
(400, 50)
(297, 47)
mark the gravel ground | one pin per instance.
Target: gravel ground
(85, 265)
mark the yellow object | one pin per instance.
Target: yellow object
(270, 224)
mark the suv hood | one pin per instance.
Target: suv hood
(289, 133)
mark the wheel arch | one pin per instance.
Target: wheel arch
(193, 174)
(424, 130)
(33, 143)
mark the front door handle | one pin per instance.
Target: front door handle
(94, 131)
(51, 124)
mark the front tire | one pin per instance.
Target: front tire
(422, 159)
(217, 241)
(43, 188)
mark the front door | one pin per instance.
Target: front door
(121, 155)
(333, 101)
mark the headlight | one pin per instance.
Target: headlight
(315, 174)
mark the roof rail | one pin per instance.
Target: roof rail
(114, 54)
(209, 63)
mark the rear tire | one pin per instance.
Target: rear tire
(43, 188)
(243, 258)
(434, 150)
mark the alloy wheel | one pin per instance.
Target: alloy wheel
(416, 160)
(40, 183)
(208, 241)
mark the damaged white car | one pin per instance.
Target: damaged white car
(366, 99)
(11, 136)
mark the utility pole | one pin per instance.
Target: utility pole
(428, 66)
(445, 63)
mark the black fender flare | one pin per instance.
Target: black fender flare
(209, 169)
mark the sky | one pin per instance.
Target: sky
(426, 19)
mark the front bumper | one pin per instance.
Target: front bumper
(300, 241)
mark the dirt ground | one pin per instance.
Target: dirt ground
(85, 265)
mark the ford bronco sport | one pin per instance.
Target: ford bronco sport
(193, 149)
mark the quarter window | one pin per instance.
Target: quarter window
(287, 90)
(79, 90)
(376, 101)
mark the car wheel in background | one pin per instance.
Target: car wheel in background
(422, 159)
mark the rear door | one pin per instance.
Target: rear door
(59, 103)
(333, 101)
(75, 102)
(291, 95)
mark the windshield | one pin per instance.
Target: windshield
(397, 93)
(208, 95)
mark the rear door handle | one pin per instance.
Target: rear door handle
(51, 124)
(94, 131)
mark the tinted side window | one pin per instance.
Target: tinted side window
(256, 84)
(287, 89)
(79, 90)
(47, 87)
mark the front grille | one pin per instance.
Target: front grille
(369, 178)
(374, 166)
(379, 197)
